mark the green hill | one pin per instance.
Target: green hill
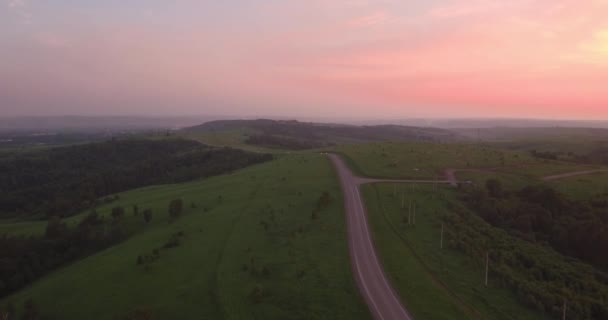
(295, 135)
(254, 244)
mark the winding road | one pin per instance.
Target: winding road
(383, 301)
(381, 298)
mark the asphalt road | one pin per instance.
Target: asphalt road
(381, 298)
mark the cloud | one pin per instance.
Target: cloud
(20, 7)
(467, 8)
(16, 3)
(373, 19)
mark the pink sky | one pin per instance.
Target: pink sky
(316, 58)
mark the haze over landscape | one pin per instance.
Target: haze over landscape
(304, 160)
(361, 58)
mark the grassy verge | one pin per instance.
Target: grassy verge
(251, 248)
(413, 258)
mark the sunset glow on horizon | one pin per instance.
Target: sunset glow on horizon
(355, 58)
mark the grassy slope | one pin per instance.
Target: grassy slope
(426, 160)
(582, 187)
(421, 270)
(306, 261)
(228, 138)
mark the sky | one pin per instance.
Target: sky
(313, 58)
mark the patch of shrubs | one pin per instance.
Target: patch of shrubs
(146, 260)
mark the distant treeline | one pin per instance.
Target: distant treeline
(596, 155)
(304, 135)
(63, 181)
(542, 214)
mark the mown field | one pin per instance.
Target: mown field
(435, 283)
(254, 244)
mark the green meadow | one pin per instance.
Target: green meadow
(253, 244)
(426, 160)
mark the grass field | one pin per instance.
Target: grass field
(509, 181)
(426, 160)
(582, 187)
(228, 138)
(251, 250)
(514, 169)
(434, 283)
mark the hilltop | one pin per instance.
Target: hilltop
(296, 135)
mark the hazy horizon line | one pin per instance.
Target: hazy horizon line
(287, 117)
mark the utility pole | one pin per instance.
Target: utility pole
(409, 213)
(487, 266)
(441, 242)
(564, 310)
(414, 218)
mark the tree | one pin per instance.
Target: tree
(9, 312)
(118, 213)
(55, 228)
(92, 219)
(494, 187)
(30, 310)
(147, 216)
(175, 208)
(135, 210)
(323, 201)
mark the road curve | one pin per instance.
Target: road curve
(381, 298)
(572, 174)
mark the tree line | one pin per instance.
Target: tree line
(66, 180)
(540, 278)
(539, 213)
(23, 259)
(534, 217)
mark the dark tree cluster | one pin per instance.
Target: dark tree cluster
(541, 214)
(176, 207)
(324, 201)
(63, 181)
(25, 259)
(541, 278)
(146, 260)
(548, 155)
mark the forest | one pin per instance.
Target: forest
(522, 235)
(24, 259)
(66, 180)
(539, 213)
